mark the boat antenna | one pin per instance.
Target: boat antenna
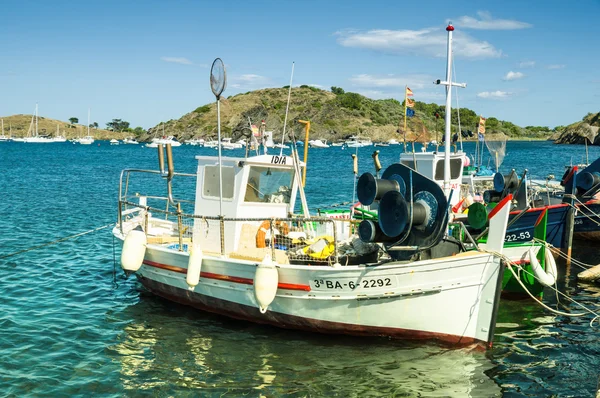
(287, 108)
(460, 137)
(354, 175)
(218, 82)
(448, 83)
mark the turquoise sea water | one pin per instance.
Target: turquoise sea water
(72, 325)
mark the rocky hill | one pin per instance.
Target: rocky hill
(333, 116)
(578, 132)
(20, 125)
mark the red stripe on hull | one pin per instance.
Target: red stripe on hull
(227, 278)
(252, 314)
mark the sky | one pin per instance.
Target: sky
(528, 62)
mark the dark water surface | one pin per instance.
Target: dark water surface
(71, 325)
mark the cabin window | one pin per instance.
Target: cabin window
(269, 185)
(455, 169)
(210, 187)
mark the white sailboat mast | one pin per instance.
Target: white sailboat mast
(88, 124)
(36, 119)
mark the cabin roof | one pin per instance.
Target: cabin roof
(266, 160)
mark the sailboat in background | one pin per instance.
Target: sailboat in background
(36, 139)
(88, 139)
(4, 138)
(58, 137)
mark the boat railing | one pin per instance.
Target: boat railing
(291, 240)
(125, 195)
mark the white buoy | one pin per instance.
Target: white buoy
(266, 279)
(547, 277)
(134, 249)
(194, 267)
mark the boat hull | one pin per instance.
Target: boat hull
(522, 229)
(587, 222)
(452, 300)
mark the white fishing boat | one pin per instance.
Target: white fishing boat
(88, 139)
(130, 141)
(114, 141)
(233, 249)
(393, 141)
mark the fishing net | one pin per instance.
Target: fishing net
(496, 144)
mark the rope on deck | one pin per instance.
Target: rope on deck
(512, 266)
(56, 241)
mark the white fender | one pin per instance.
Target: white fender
(548, 277)
(266, 280)
(134, 249)
(194, 267)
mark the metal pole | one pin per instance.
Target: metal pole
(449, 29)
(405, 99)
(220, 160)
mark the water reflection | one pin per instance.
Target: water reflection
(168, 348)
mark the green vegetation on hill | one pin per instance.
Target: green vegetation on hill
(334, 115)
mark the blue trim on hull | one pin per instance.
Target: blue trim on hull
(522, 229)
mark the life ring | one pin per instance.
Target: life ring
(261, 235)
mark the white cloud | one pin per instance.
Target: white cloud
(486, 22)
(527, 64)
(513, 76)
(249, 81)
(413, 81)
(494, 94)
(557, 66)
(177, 60)
(428, 42)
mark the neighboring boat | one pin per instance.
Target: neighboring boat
(393, 141)
(194, 142)
(36, 139)
(318, 144)
(382, 144)
(238, 252)
(4, 138)
(227, 144)
(114, 142)
(163, 140)
(338, 143)
(211, 144)
(357, 142)
(130, 141)
(59, 137)
(88, 139)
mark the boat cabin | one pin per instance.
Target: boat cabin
(262, 186)
(431, 165)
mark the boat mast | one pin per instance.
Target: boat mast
(88, 127)
(448, 83)
(36, 119)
